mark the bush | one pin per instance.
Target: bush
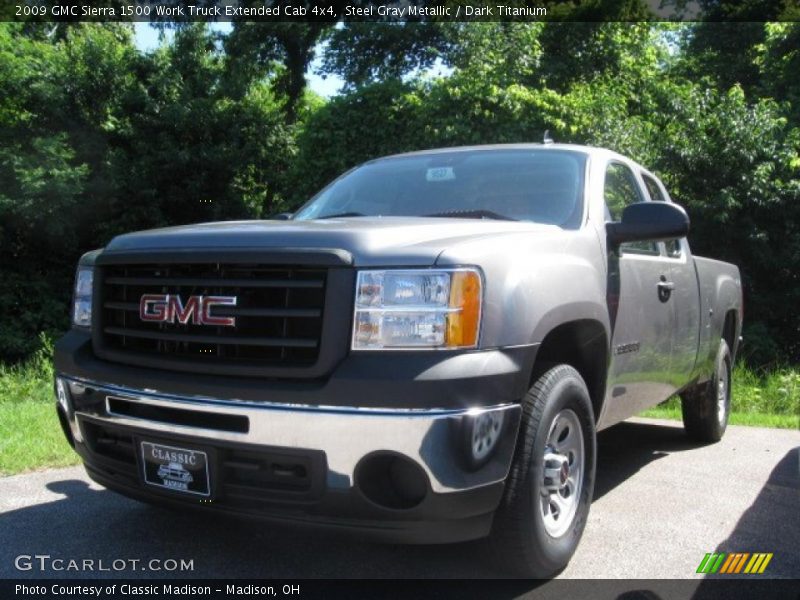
(32, 380)
(773, 392)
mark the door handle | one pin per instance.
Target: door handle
(665, 289)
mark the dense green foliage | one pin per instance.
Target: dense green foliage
(97, 138)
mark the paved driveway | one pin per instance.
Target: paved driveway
(660, 504)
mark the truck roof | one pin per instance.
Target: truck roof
(595, 151)
(520, 146)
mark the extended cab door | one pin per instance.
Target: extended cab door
(685, 296)
(642, 317)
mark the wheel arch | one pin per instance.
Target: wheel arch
(730, 327)
(582, 344)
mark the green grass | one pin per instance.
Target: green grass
(758, 399)
(30, 436)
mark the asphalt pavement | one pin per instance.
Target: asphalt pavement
(661, 503)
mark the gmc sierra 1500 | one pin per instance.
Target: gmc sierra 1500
(422, 352)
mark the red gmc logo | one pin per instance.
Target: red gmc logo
(168, 308)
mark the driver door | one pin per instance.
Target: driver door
(641, 318)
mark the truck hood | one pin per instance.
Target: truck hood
(370, 241)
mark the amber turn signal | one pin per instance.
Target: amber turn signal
(463, 323)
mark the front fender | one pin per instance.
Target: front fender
(535, 282)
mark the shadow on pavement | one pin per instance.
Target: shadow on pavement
(627, 448)
(98, 524)
(772, 523)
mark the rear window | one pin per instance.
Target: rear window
(545, 186)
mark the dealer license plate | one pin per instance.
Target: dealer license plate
(178, 469)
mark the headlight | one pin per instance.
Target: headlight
(423, 308)
(82, 298)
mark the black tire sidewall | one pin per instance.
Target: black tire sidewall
(568, 392)
(723, 366)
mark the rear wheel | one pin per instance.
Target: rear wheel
(706, 408)
(549, 489)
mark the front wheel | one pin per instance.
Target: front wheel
(549, 488)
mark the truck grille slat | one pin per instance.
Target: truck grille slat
(213, 339)
(215, 282)
(278, 315)
(298, 313)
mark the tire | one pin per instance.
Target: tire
(528, 538)
(706, 408)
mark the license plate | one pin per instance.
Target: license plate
(178, 469)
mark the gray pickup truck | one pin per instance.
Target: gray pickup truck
(423, 352)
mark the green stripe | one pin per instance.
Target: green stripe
(711, 560)
(719, 562)
(701, 568)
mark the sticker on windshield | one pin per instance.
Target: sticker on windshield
(440, 174)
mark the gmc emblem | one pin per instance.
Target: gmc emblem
(168, 308)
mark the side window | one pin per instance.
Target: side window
(620, 190)
(673, 246)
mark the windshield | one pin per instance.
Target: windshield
(545, 186)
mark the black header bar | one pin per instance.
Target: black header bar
(294, 11)
(309, 589)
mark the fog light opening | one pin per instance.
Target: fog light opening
(391, 481)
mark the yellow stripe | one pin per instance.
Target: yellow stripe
(749, 566)
(755, 565)
(765, 563)
(741, 562)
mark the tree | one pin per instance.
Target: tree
(97, 139)
(368, 52)
(778, 60)
(191, 151)
(279, 51)
(60, 96)
(734, 165)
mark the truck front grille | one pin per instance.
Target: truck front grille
(278, 314)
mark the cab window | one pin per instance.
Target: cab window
(654, 190)
(621, 190)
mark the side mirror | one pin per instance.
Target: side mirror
(649, 221)
(281, 217)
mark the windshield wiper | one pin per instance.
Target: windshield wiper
(344, 214)
(472, 214)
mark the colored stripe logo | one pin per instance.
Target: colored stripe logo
(735, 562)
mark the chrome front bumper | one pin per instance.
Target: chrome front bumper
(433, 439)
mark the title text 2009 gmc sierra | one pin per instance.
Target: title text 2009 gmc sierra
(422, 352)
